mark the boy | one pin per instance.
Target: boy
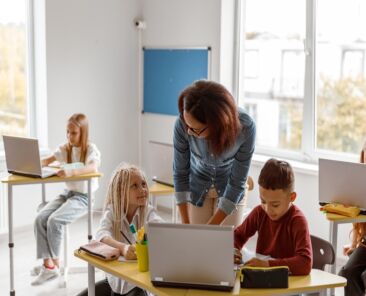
(282, 228)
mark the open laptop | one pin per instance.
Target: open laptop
(191, 256)
(161, 162)
(342, 182)
(22, 158)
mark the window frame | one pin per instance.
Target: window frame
(308, 153)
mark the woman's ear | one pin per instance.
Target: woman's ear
(293, 196)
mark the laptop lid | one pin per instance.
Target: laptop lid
(22, 156)
(161, 162)
(342, 182)
(194, 256)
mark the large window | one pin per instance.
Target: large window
(306, 75)
(14, 102)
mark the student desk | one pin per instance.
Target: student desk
(14, 180)
(317, 280)
(157, 189)
(334, 220)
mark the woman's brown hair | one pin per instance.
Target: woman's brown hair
(212, 104)
(81, 121)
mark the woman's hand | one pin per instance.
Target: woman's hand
(347, 250)
(129, 252)
(237, 256)
(257, 262)
(65, 173)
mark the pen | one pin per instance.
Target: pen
(126, 237)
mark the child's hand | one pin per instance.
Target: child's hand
(237, 256)
(257, 262)
(129, 252)
(347, 250)
(65, 173)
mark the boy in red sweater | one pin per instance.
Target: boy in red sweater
(282, 228)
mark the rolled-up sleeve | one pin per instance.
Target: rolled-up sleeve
(181, 163)
(239, 171)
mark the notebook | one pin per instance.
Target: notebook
(342, 182)
(22, 158)
(191, 256)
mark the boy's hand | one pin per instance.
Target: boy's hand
(129, 252)
(65, 173)
(237, 256)
(257, 262)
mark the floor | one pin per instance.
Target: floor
(24, 254)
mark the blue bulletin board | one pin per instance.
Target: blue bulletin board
(167, 72)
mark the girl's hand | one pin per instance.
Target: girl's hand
(257, 262)
(65, 173)
(237, 256)
(129, 252)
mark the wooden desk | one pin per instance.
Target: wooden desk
(127, 271)
(334, 220)
(14, 180)
(318, 280)
(157, 189)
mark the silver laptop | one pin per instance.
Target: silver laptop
(161, 162)
(191, 256)
(22, 157)
(342, 182)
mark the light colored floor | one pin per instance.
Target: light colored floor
(24, 253)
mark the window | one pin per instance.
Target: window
(310, 82)
(14, 101)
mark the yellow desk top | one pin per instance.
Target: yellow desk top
(317, 280)
(129, 272)
(159, 189)
(16, 179)
(345, 219)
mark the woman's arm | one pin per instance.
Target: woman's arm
(181, 169)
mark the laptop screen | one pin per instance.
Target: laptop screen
(191, 255)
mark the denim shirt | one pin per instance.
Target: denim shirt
(196, 169)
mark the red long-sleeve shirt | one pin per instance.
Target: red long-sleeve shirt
(287, 239)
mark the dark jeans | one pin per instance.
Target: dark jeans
(102, 288)
(355, 273)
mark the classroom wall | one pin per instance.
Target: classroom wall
(91, 64)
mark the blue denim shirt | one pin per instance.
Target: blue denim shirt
(196, 169)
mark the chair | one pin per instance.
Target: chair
(323, 252)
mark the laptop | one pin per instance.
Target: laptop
(191, 256)
(342, 182)
(22, 158)
(161, 163)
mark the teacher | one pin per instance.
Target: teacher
(213, 147)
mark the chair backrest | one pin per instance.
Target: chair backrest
(323, 252)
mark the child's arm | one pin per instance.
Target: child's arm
(247, 229)
(46, 161)
(126, 250)
(91, 167)
(301, 262)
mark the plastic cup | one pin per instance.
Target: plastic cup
(142, 257)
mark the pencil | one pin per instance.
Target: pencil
(126, 237)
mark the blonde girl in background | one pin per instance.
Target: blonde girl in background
(355, 268)
(69, 205)
(126, 203)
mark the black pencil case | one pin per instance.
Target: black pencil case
(264, 277)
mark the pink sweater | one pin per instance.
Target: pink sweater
(287, 240)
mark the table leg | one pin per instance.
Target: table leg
(91, 280)
(333, 232)
(90, 214)
(11, 242)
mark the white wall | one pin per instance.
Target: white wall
(91, 60)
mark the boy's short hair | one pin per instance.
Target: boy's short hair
(277, 174)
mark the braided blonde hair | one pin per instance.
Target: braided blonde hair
(118, 196)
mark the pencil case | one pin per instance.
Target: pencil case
(100, 250)
(264, 277)
(349, 211)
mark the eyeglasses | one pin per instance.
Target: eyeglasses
(195, 131)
